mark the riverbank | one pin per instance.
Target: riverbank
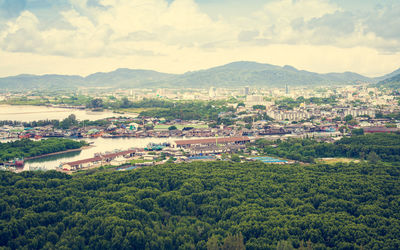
(29, 113)
(58, 153)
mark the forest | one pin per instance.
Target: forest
(66, 123)
(288, 103)
(391, 116)
(184, 110)
(194, 110)
(205, 205)
(28, 148)
(375, 147)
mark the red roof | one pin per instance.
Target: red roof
(112, 155)
(213, 140)
(380, 130)
(99, 158)
(75, 163)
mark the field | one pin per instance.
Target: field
(336, 160)
(133, 162)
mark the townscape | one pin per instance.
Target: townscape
(325, 114)
(199, 124)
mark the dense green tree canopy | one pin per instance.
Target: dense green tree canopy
(193, 110)
(204, 204)
(29, 148)
(385, 145)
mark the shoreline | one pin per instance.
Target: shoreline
(116, 111)
(57, 153)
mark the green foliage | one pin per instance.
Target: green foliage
(172, 128)
(386, 146)
(232, 75)
(73, 100)
(290, 103)
(66, 123)
(348, 118)
(193, 110)
(69, 122)
(204, 205)
(359, 131)
(260, 107)
(96, 103)
(145, 103)
(29, 148)
(390, 125)
(25, 101)
(233, 242)
(391, 83)
(342, 129)
(373, 157)
(59, 98)
(284, 245)
(235, 158)
(213, 243)
(287, 103)
(352, 122)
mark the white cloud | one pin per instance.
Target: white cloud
(285, 11)
(104, 31)
(21, 35)
(321, 23)
(311, 34)
(277, 17)
(322, 59)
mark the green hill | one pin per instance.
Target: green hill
(236, 74)
(392, 82)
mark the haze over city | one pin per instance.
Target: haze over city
(87, 36)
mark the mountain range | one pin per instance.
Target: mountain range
(236, 74)
(391, 82)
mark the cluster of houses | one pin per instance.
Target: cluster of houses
(180, 151)
(159, 128)
(362, 103)
(115, 158)
(258, 116)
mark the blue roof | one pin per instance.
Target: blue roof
(267, 159)
(127, 168)
(204, 157)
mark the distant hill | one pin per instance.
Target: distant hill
(387, 76)
(263, 75)
(128, 78)
(21, 82)
(236, 74)
(392, 82)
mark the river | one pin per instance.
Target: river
(27, 113)
(100, 145)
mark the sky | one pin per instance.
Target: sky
(80, 37)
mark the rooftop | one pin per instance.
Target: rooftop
(212, 140)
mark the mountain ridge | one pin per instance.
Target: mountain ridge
(234, 74)
(391, 82)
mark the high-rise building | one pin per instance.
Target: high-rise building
(212, 92)
(246, 90)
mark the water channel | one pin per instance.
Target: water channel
(99, 145)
